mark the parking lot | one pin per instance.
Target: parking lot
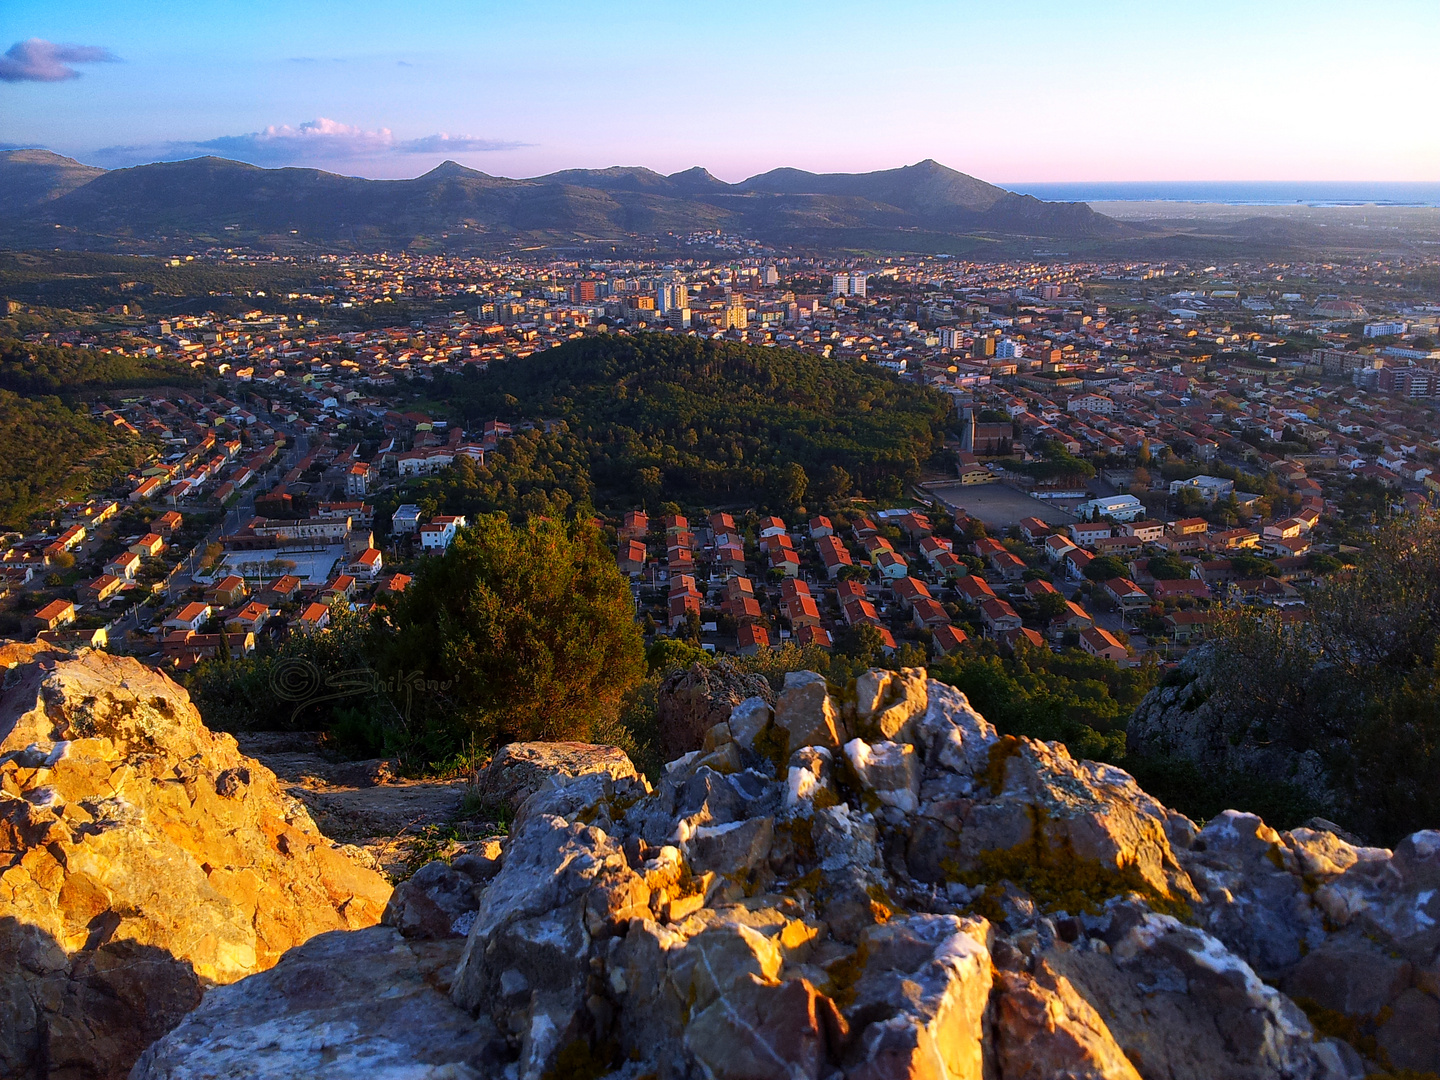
(1000, 506)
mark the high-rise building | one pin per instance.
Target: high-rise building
(671, 294)
(769, 276)
(857, 283)
(736, 317)
(848, 284)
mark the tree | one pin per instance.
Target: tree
(793, 483)
(1251, 566)
(1104, 568)
(1355, 686)
(1052, 606)
(1168, 568)
(516, 632)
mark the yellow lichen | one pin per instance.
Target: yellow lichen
(1056, 878)
(774, 743)
(1001, 751)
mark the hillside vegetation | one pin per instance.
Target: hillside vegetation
(50, 451)
(705, 423)
(31, 369)
(1345, 705)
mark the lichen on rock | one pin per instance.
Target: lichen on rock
(883, 887)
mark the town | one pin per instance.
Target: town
(1131, 448)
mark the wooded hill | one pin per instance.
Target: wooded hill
(217, 200)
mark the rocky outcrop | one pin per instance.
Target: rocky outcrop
(519, 770)
(692, 701)
(903, 894)
(143, 859)
(370, 1004)
(1186, 718)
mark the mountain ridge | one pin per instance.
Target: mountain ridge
(217, 199)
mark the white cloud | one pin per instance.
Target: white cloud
(318, 139)
(320, 143)
(444, 144)
(38, 60)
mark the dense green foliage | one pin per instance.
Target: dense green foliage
(1168, 568)
(79, 280)
(325, 682)
(516, 632)
(1057, 464)
(535, 473)
(1357, 683)
(709, 423)
(44, 369)
(530, 627)
(1083, 701)
(51, 452)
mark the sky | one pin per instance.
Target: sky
(1042, 91)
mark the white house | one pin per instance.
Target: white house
(438, 534)
(1115, 507)
(1209, 487)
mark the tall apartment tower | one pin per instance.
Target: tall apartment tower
(671, 295)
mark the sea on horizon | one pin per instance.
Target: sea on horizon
(1240, 192)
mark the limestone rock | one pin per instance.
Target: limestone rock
(368, 1004)
(692, 701)
(1046, 1029)
(142, 858)
(1094, 810)
(749, 719)
(887, 701)
(951, 734)
(816, 921)
(807, 713)
(441, 898)
(890, 769)
(920, 1003)
(525, 962)
(518, 769)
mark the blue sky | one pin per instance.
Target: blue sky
(1044, 91)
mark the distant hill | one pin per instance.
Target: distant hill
(29, 178)
(219, 200)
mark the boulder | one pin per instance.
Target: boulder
(1087, 809)
(1045, 1029)
(890, 769)
(919, 1005)
(441, 898)
(142, 858)
(749, 719)
(887, 701)
(526, 959)
(518, 769)
(692, 701)
(807, 713)
(368, 1004)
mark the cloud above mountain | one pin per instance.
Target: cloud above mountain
(38, 60)
(444, 144)
(321, 143)
(322, 138)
